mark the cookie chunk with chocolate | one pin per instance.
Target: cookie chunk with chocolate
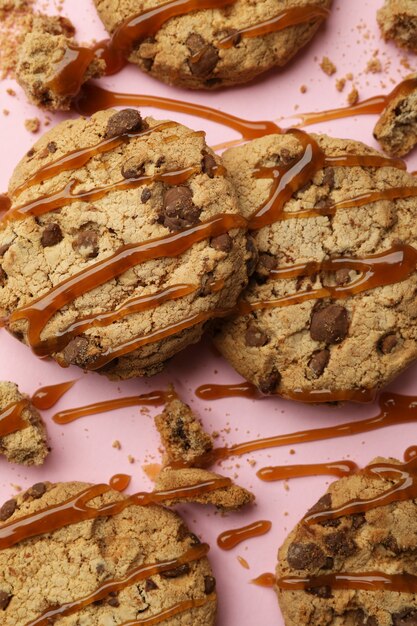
(329, 314)
(397, 20)
(23, 436)
(123, 243)
(396, 129)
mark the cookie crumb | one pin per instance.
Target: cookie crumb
(353, 96)
(303, 88)
(6, 112)
(33, 124)
(116, 444)
(374, 66)
(11, 92)
(328, 66)
(131, 458)
(340, 84)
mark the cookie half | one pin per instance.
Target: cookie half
(225, 43)
(138, 564)
(397, 20)
(330, 311)
(374, 544)
(123, 242)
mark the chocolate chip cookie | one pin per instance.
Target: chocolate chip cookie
(226, 42)
(397, 20)
(124, 241)
(380, 541)
(133, 563)
(329, 314)
(396, 129)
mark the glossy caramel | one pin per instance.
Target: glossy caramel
(120, 482)
(46, 397)
(70, 71)
(285, 472)
(367, 581)
(11, 419)
(265, 580)
(234, 390)
(229, 539)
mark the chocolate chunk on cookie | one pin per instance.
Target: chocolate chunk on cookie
(216, 46)
(321, 319)
(396, 129)
(163, 568)
(132, 229)
(26, 443)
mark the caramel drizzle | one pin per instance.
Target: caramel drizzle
(265, 580)
(76, 509)
(78, 158)
(11, 418)
(66, 195)
(371, 106)
(46, 397)
(133, 576)
(218, 392)
(40, 311)
(93, 98)
(286, 472)
(366, 581)
(120, 482)
(70, 71)
(231, 538)
(5, 203)
(154, 398)
(180, 607)
(394, 409)
(288, 17)
(393, 266)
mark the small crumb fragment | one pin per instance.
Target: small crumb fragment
(11, 92)
(116, 444)
(17, 488)
(6, 112)
(131, 458)
(292, 451)
(303, 88)
(251, 462)
(243, 562)
(353, 96)
(328, 66)
(33, 124)
(374, 66)
(340, 84)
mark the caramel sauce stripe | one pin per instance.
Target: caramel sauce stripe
(366, 581)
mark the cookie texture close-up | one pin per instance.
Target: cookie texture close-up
(124, 240)
(141, 563)
(223, 44)
(369, 544)
(397, 20)
(330, 310)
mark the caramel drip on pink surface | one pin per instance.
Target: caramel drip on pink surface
(133, 576)
(134, 305)
(76, 509)
(393, 266)
(218, 392)
(265, 580)
(285, 472)
(94, 98)
(70, 71)
(243, 562)
(371, 106)
(40, 311)
(394, 409)
(410, 453)
(154, 398)
(120, 482)
(367, 581)
(66, 195)
(78, 158)
(46, 397)
(288, 17)
(231, 538)
(11, 419)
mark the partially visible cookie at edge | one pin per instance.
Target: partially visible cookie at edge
(73, 562)
(186, 50)
(397, 20)
(396, 129)
(381, 540)
(340, 345)
(29, 445)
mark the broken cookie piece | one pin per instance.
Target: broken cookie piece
(396, 129)
(397, 20)
(182, 434)
(45, 60)
(27, 445)
(229, 498)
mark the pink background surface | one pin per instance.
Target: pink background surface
(83, 450)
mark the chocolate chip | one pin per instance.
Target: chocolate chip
(232, 33)
(113, 600)
(270, 382)
(267, 261)
(8, 509)
(3, 249)
(209, 584)
(4, 600)
(51, 235)
(323, 504)
(305, 556)
(145, 195)
(388, 343)
(318, 362)
(209, 165)
(125, 121)
(74, 353)
(150, 585)
(37, 490)
(255, 337)
(252, 260)
(329, 324)
(30, 153)
(321, 592)
(179, 210)
(328, 177)
(86, 243)
(204, 56)
(100, 568)
(133, 169)
(3, 276)
(342, 277)
(52, 147)
(358, 520)
(181, 570)
(390, 543)
(407, 617)
(340, 544)
(207, 283)
(223, 243)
